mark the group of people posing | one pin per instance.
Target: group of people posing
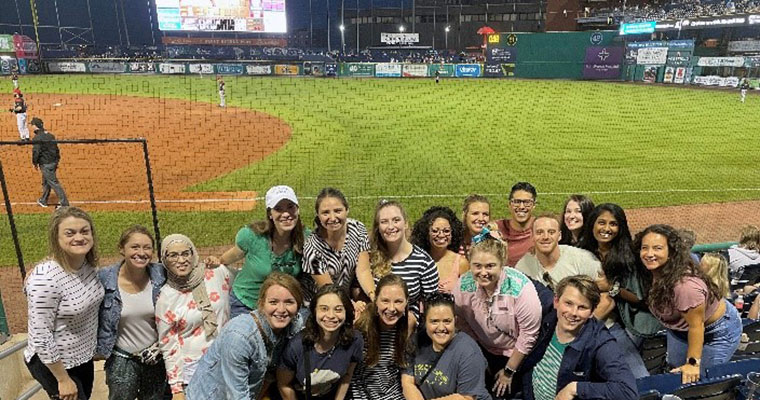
(455, 306)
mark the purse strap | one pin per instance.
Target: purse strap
(435, 364)
(307, 368)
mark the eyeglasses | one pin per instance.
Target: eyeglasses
(518, 202)
(439, 232)
(174, 256)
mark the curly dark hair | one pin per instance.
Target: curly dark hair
(620, 261)
(586, 207)
(678, 266)
(312, 332)
(421, 230)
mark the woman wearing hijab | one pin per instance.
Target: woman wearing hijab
(191, 308)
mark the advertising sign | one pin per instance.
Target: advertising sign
(388, 70)
(399, 38)
(669, 75)
(331, 69)
(650, 74)
(604, 55)
(705, 22)
(637, 28)
(720, 62)
(258, 69)
(25, 47)
(201, 68)
(138, 67)
(167, 68)
(742, 46)
(679, 58)
(444, 70)
(222, 15)
(502, 55)
(261, 42)
(712, 80)
(652, 56)
(686, 44)
(5, 66)
(364, 70)
(285, 69)
(99, 67)
(6, 44)
(601, 71)
(679, 75)
(415, 70)
(229, 69)
(66, 67)
(468, 70)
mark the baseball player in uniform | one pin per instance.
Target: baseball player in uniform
(744, 87)
(19, 108)
(14, 79)
(220, 81)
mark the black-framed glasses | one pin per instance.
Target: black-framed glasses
(174, 256)
(519, 202)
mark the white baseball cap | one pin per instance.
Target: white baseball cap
(278, 193)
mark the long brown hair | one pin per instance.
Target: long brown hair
(266, 228)
(468, 201)
(311, 331)
(678, 266)
(369, 325)
(379, 257)
(55, 250)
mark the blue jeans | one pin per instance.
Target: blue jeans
(236, 306)
(629, 351)
(722, 341)
(130, 379)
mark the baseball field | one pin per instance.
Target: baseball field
(668, 154)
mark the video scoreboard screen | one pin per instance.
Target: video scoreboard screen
(266, 16)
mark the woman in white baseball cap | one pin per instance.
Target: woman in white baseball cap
(274, 244)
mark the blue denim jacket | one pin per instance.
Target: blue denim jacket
(235, 365)
(110, 308)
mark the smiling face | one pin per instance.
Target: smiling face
(521, 206)
(477, 216)
(391, 304)
(330, 312)
(573, 216)
(440, 325)
(573, 310)
(137, 251)
(391, 224)
(486, 269)
(179, 259)
(332, 214)
(654, 251)
(605, 228)
(440, 233)
(284, 215)
(279, 307)
(75, 237)
(546, 235)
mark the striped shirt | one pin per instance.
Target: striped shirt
(63, 313)
(319, 258)
(546, 371)
(383, 381)
(420, 275)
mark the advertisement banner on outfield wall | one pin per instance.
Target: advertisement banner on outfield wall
(359, 70)
(714, 80)
(201, 68)
(652, 56)
(492, 71)
(284, 69)
(679, 76)
(743, 46)
(669, 75)
(6, 44)
(99, 67)
(141, 67)
(331, 69)
(684, 44)
(604, 55)
(501, 55)
(167, 68)
(444, 70)
(720, 61)
(258, 69)
(415, 70)
(388, 70)
(25, 47)
(650, 74)
(229, 69)
(468, 70)
(33, 66)
(752, 62)
(5, 65)
(679, 58)
(66, 67)
(601, 71)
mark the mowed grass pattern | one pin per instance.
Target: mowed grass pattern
(427, 144)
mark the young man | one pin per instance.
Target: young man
(19, 108)
(744, 87)
(517, 230)
(45, 157)
(550, 261)
(581, 359)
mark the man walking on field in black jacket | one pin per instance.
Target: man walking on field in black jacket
(45, 157)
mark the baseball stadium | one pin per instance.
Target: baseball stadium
(186, 116)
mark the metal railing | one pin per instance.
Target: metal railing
(10, 351)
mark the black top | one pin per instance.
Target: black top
(45, 149)
(19, 107)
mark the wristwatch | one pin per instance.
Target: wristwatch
(693, 361)
(509, 372)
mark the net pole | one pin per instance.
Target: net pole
(12, 222)
(154, 212)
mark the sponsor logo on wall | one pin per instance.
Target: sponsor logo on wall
(99, 67)
(468, 70)
(258, 69)
(66, 67)
(721, 62)
(652, 56)
(283, 69)
(167, 68)
(502, 55)
(388, 70)
(138, 67)
(415, 70)
(713, 80)
(229, 69)
(201, 68)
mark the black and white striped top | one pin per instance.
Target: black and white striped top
(319, 258)
(63, 313)
(383, 381)
(420, 274)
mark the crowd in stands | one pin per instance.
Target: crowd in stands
(461, 304)
(680, 9)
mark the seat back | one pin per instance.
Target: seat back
(742, 367)
(721, 388)
(653, 353)
(650, 395)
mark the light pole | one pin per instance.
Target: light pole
(342, 38)
(447, 29)
(401, 28)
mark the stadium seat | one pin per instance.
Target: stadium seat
(650, 395)
(752, 331)
(653, 353)
(747, 351)
(662, 383)
(741, 367)
(721, 388)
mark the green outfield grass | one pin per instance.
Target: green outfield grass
(637, 145)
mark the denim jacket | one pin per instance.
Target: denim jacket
(110, 308)
(235, 365)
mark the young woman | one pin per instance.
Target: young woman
(476, 214)
(575, 214)
(241, 362)
(439, 233)
(385, 329)
(745, 254)
(715, 267)
(331, 344)
(391, 252)
(272, 245)
(64, 294)
(339, 244)
(191, 308)
(127, 334)
(446, 362)
(499, 307)
(704, 329)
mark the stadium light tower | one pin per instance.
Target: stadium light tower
(342, 38)
(447, 29)
(401, 28)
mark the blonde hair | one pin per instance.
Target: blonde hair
(281, 279)
(750, 238)
(491, 246)
(55, 250)
(379, 259)
(715, 267)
